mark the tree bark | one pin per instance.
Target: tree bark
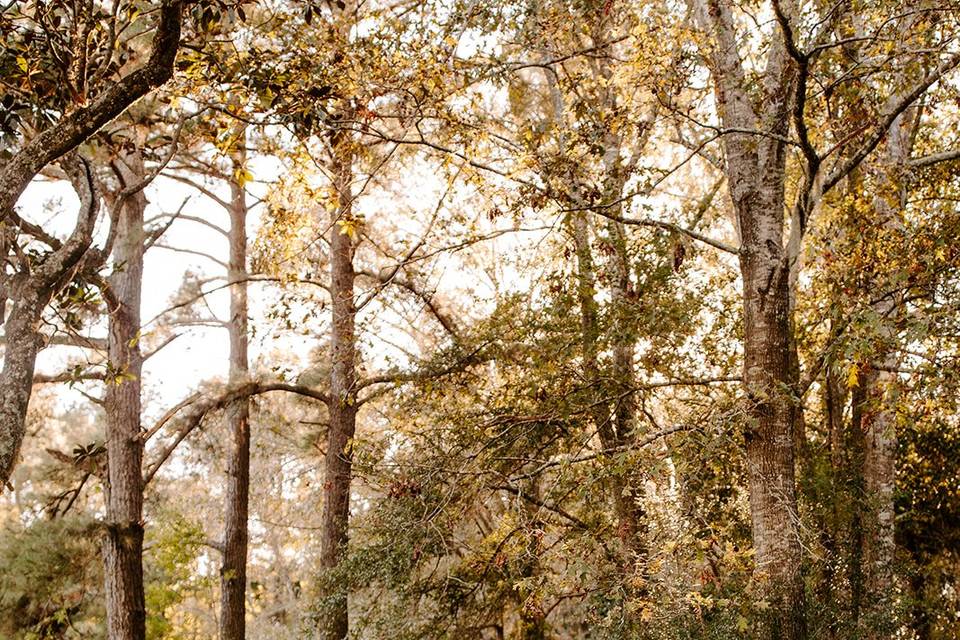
(22, 334)
(769, 435)
(755, 168)
(343, 401)
(233, 572)
(881, 394)
(628, 489)
(123, 539)
(31, 289)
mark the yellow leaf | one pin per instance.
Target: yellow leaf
(22, 63)
(242, 176)
(853, 378)
(348, 228)
(134, 340)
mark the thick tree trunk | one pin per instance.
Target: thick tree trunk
(343, 401)
(755, 178)
(233, 572)
(123, 540)
(769, 377)
(31, 290)
(22, 334)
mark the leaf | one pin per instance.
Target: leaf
(348, 228)
(22, 63)
(853, 378)
(242, 176)
(742, 624)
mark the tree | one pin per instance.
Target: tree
(31, 294)
(755, 123)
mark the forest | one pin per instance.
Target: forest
(465, 320)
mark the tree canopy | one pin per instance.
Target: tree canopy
(527, 320)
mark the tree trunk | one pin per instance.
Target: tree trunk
(233, 572)
(629, 489)
(880, 387)
(22, 334)
(32, 288)
(343, 401)
(123, 541)
(768, 377)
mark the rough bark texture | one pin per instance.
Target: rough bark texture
(769, 435)
(31, 290)
(123, 539)
(233, 572)
(755, 173)
(22, 334)
(343, 401)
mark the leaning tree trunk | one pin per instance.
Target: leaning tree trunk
(233, 572)
(123, 539)
(37, 284)
(22, 334)
(343, 400)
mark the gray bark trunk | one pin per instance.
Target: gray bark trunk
(31, 290)
(755, 177)
(769, 435)
(22, 333)
(881, 392)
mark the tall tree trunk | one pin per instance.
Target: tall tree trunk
(769, 377)
(123, 540)
(615, 428)
(755, 168)
(233, 572)
(343, 401)
(874, 443)
(881, 391)
(629, 488)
